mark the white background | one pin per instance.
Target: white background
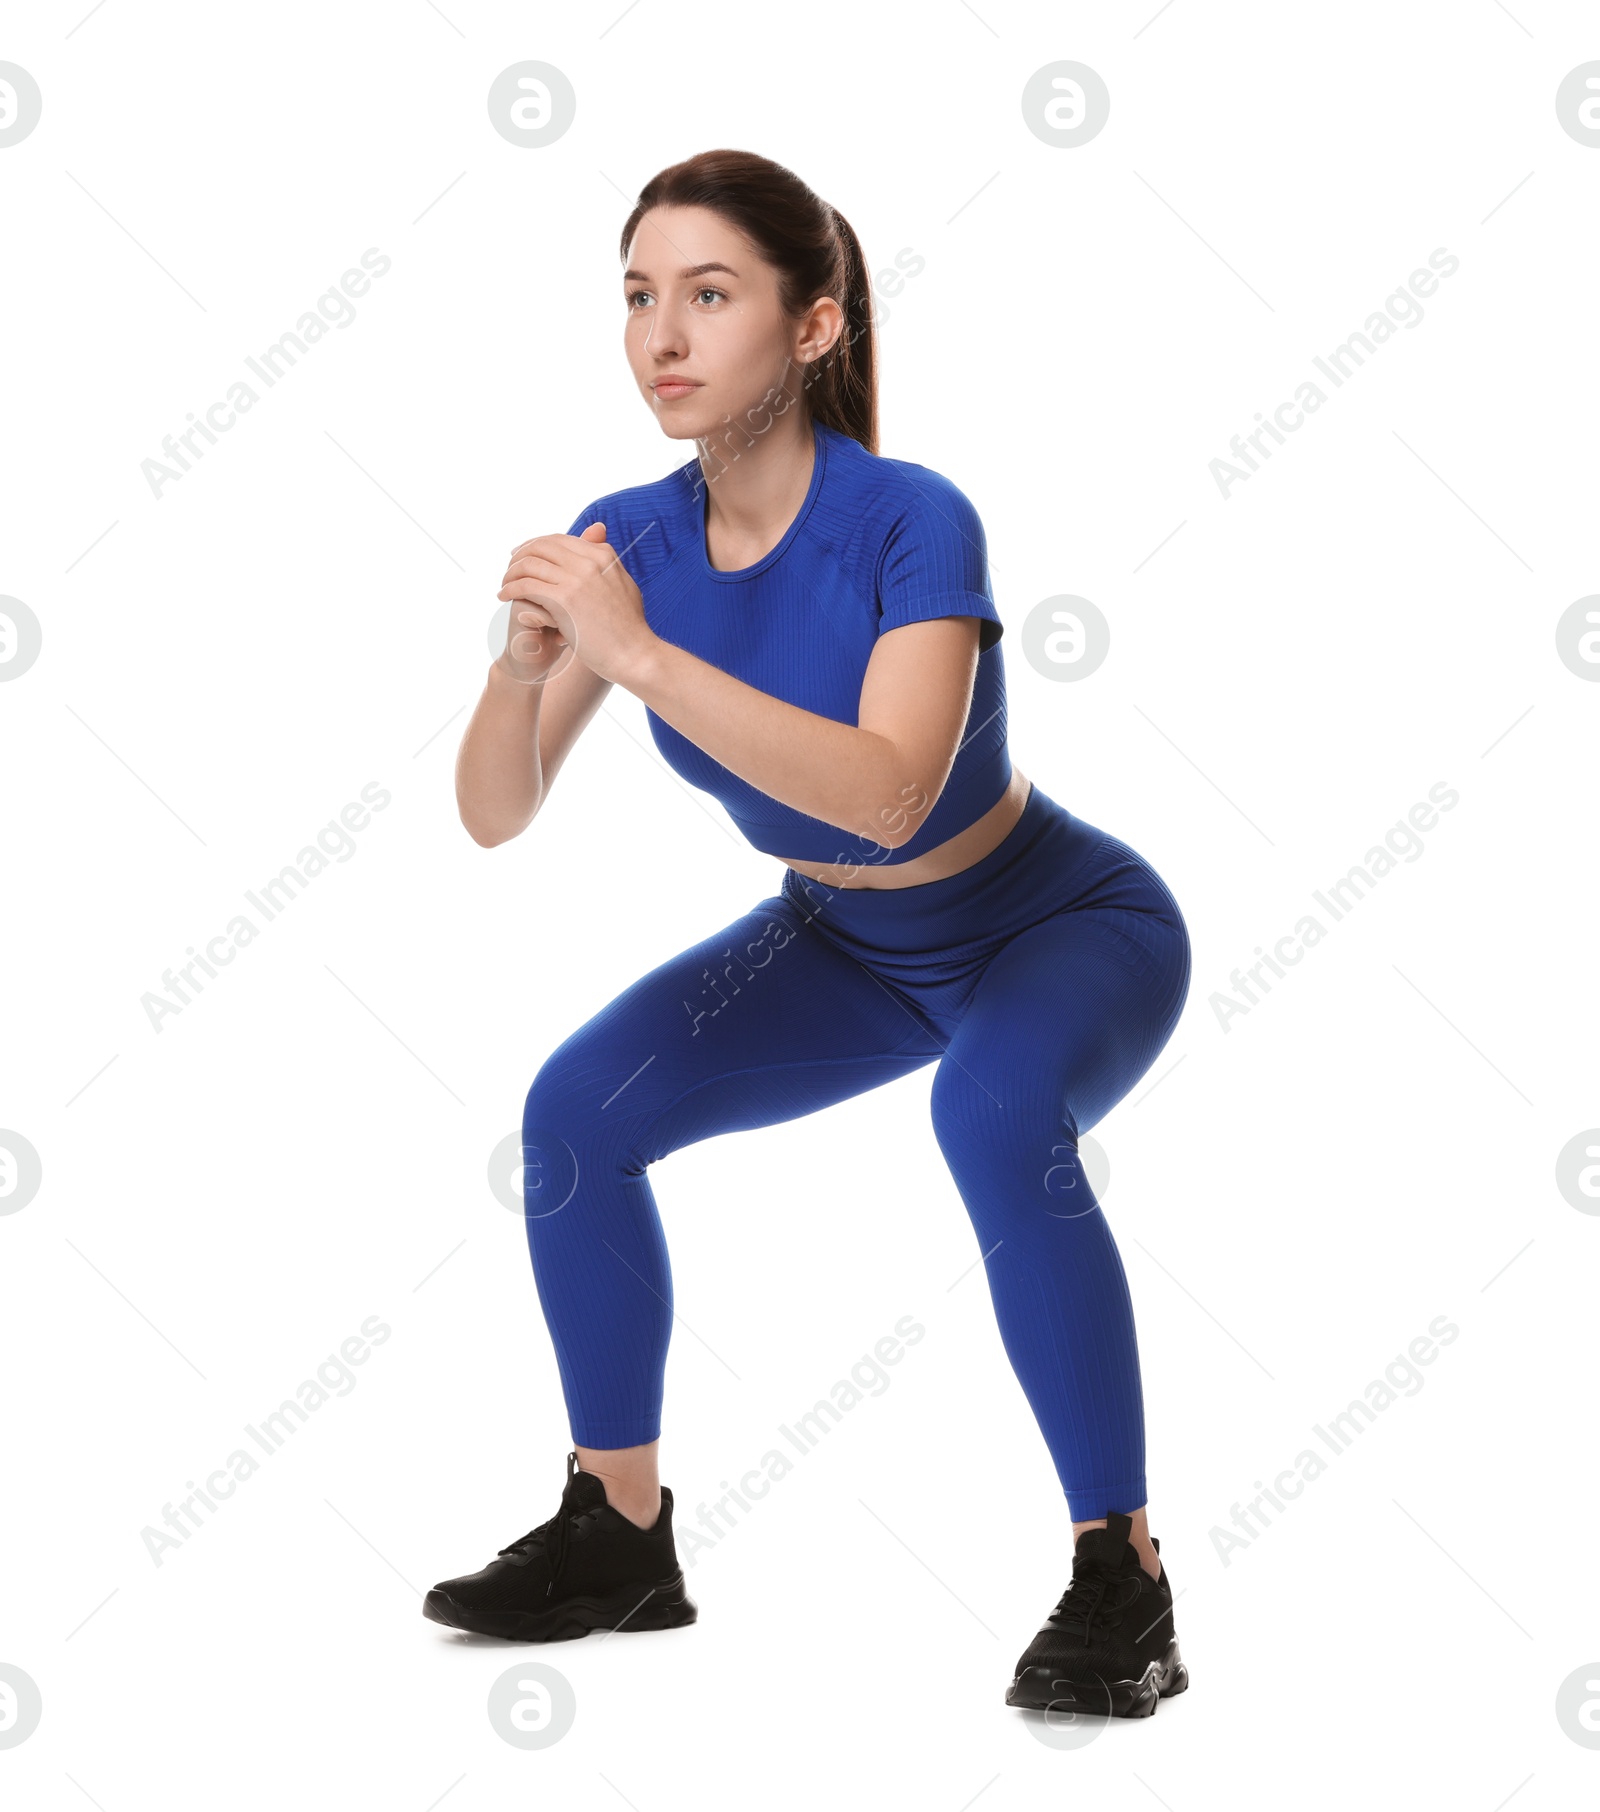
(307, 1144)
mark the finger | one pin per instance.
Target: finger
(522, 546)
(540, 635)
(531, 591)
(527, 659)
(593, 528)
(529, 644)
(530, 564)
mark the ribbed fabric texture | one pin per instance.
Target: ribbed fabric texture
(1043, 981)
(877, 543)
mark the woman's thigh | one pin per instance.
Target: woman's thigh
(1067, 1017)
(761, 1022)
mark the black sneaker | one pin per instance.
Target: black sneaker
(1108, 1649)
(588, 1568)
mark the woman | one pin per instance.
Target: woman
(810, 628)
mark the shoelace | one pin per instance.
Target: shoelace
(1091, 1595)
(554, 1533)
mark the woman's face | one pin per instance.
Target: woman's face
(702, 305)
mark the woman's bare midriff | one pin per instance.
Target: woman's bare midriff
(947, 858)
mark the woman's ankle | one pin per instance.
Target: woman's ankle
(632, 1485)
(1138, 1538)
(637, 1510)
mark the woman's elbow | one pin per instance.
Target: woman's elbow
(896, 821)
(491, 836)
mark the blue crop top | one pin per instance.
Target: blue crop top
(877, 543)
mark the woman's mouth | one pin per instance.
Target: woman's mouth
(667, 389)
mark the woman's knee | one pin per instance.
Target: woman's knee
(571, 1117)
(1014, 1159)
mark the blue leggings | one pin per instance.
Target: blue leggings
(1044, 980)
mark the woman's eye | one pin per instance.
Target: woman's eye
(642, 295)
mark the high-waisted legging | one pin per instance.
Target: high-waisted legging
(1044, 980)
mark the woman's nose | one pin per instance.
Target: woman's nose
(665, 335)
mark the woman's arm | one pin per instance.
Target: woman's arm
(515, 744)
(878, 778)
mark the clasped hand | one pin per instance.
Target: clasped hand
(576, 586)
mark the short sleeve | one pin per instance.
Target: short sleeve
(935, 563)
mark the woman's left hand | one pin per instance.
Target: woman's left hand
(597, 607)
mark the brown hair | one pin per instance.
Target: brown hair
(815, 252)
